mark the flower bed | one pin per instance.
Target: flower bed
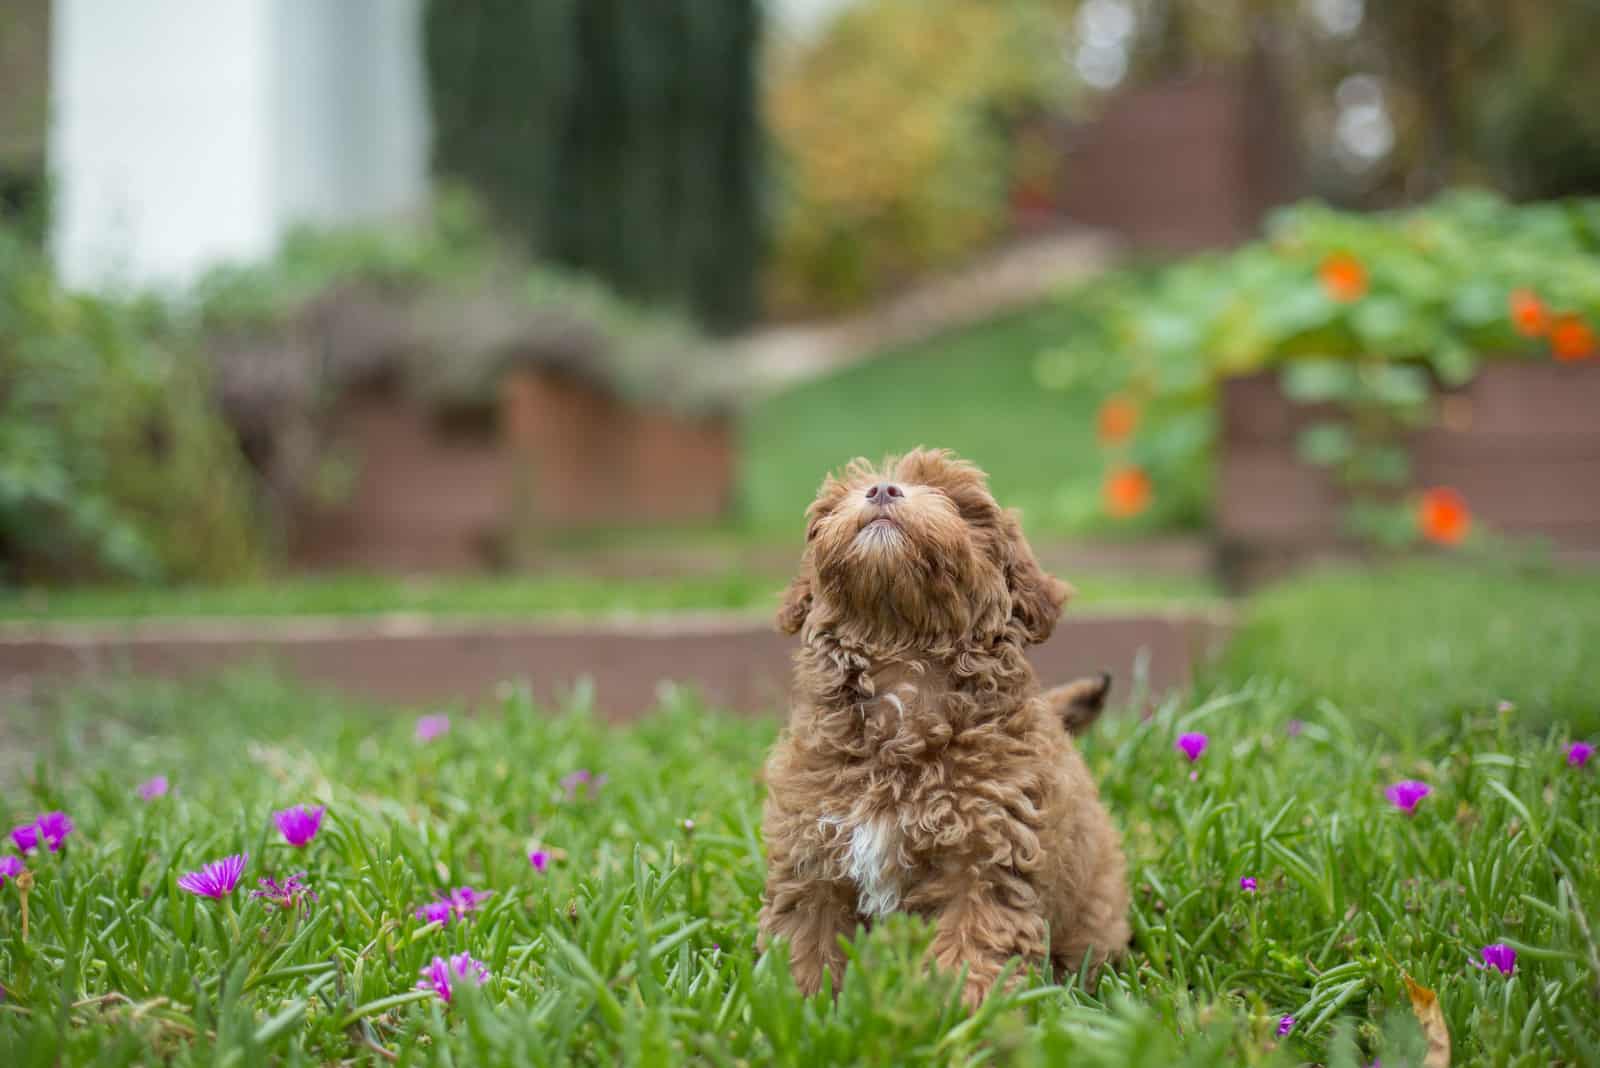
(1347, 350)
(1516, 450)
(367, 376)
(316, 884)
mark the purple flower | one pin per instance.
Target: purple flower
(441, 975)
(1293, 728)
(465, 899)
(154, 788)
(584, 782)
(51, 828)
(299, 824)
(1192, 745)
(1501, 957)
(10, 868)
(1285, 1025)
(1247, 884)
(457, 903)
(1578, 753)
(439, 912)
(1406, 794)
(290, 894)
(430, 727)
(1505, 708)
(217, 879)
(540, 859)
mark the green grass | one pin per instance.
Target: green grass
(354, 595)
(637, 946)
(1429, 641)
(972, 390)
(371, 595)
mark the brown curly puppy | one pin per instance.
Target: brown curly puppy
(922, 771)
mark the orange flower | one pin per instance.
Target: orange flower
(1443, 517)
(1572, 339)
(1528, 313)
(1343, 277)
(1127, 492)
(1118, 419)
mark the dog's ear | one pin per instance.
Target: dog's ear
(796, 605)
(1036, 598)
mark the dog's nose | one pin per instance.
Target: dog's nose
(884, 493)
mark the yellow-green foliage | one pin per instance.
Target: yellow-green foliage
(892, 143)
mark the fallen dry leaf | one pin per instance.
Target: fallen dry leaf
(1425, 1003)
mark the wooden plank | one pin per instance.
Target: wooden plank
(1264, 492)
(1508, 402)
(737, 663)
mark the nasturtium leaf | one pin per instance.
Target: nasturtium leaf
(1315, 381)
(1324, 444)
(1454, 363)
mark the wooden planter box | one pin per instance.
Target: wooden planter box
(427, 496)
(583, 457)
(1521, 443)
(1184, 165)
(431, 496)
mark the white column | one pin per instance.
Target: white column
(191, 132)
(159, 140)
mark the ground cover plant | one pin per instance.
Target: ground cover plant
(1293, 868)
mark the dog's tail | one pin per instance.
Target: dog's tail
(1080, 702)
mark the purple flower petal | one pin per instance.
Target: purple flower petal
(465, 899)
(1578, 754)
(153, 788)
(10, 868)
(431, 727)
(291, 894)
(1247, 884)
(1192, 745)
(1293, 728)
(1501, 957)
(440, 975)
(584, 782)
(1285, 1025)
(540, 859)
(51, 829)
(1405, 795)
(299, 824)
(438, 912)
(217, 879)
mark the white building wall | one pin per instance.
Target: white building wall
(191, 132)
(804, 18)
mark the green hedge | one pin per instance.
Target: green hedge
(619, 137)
(114, 463)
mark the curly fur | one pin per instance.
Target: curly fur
(922, 770)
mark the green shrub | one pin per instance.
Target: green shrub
(113, 461)
(893, 142)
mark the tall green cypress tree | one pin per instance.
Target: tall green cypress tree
(620, 137)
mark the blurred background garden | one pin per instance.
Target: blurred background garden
(408, 409)
(563, 309)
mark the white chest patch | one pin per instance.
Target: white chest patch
(872, 863)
